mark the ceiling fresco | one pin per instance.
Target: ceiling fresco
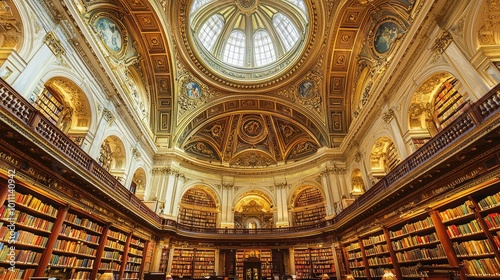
(225, 119)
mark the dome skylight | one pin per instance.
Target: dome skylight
(248, 39)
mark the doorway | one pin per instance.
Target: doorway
(252, 271)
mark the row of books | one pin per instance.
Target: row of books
(28, 220)
(115, 245)
(354, 255)
(463, 229)
(70, 261)
(374, 240)
(378, 272)
(135, 251)
(112, 255)
(36, 204)
(422, 254)
(489, 201)
(492, 220)
(117, 235)
(74, 247)
(411, 241)
(23, 237)
(84, 222)
(459, 211)
(16, 273)
(377, 249)
(412, 227)
(18, 256)
(482, 267)
(379, 260)
(69, 231)
(472, 247)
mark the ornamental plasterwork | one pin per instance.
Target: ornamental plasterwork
(192, 93)
(74, 95)
(388, 116)
(54, 44)
(489, 32)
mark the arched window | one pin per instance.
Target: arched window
(210, 31)
(264, 49)
(287, 32)
(234, 52)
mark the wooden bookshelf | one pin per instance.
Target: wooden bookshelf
(34, 218)
(198, 217)
(377, 253)
(313, 262)
(355, 262)
(204, 263)
(113, 253)
(136, 254)
(76, 246)
(182, 262)
(309, 215)
(448, 103)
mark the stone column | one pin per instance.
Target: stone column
(389, 118)
(227, 212)
(282, 217)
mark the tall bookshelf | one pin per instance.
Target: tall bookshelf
(448, 103)
(76, 246)
(113, 253)
(136, 253)
(378, 254)
(416, 242)
(309, 215)
(322, 260)
(355, 258)
(472, 224)
(313, 262)
(182, 262)
(204, 263)
(34, 218)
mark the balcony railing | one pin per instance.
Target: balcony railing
(16, 105)
(13, 103)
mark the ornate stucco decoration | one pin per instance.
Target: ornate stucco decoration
(489, 33)
(192, 94)
(10, 26)
(442, 43)
(307, 92)
(54, 44)
(108, 115)
(388, 116)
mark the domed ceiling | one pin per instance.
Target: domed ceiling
(250, 83)
(248, 39)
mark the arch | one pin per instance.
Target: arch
(357, 183)
(438, 100)
(383, 157)
(113, 157)
(198, 207)
(253, 207)
(139, 182)
(76, 115)
(13, 30)
(78, 85)
(308, 205)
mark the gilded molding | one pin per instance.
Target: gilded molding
(388, 116)
(442, 43)
(54, 44)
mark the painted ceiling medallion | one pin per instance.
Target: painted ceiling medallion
(253, 129)
(250, 140)
(109, 33)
